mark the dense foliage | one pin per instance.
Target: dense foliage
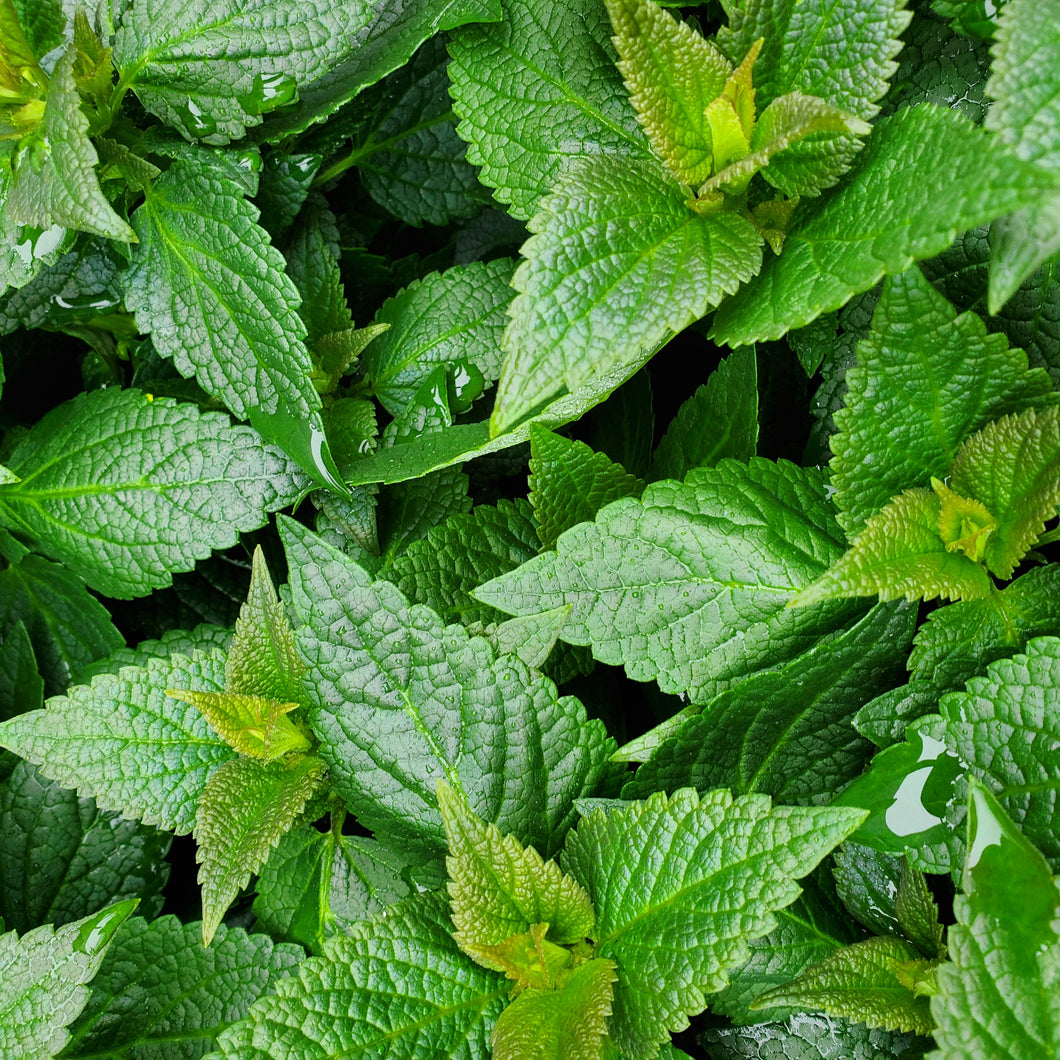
(550, 504)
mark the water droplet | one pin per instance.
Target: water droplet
(466, 383)
(269, 91)
(196, 120)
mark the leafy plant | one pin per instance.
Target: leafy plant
(658, 412)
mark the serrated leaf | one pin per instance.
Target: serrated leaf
(159, 992)
(61, 858)
(589, 301)
(204, 637)
(917, 913)
(786, 732)
(719, 420)
(809, 1037)
(926, 379)
(867, 882)
(998, 994)
(122, 740)
(656, 872)
(210, 289)
(531, 638)
(453, 318)
(254, 726)
(399, 984)
(29, 29)
(213, 69)
(672, 74)
(1012, 466)
(862, 982)
(405, 702)
(126, 489)
(561, 63)
(319, 884)
(569, 1023)
(569, 483)
(43, 978)
(1020, 243)
(721, 553)
(243, 810)
(55, 182)
(499, 888)
(868, 226)
(900, 552)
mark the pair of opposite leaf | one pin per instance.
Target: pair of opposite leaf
(699, 114)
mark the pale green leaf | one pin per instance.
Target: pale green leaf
(688, 585)
(243, 810)
(531, 638)
(926, 379)
(159, 993)
(122, 740)
(397, 985)
(55, 181)
(43, 978)
(680, 885)
(405, 701)
(591, 299)
(126, 489)
(536, 91)
(204, 637)
(252, 725)
(569, 483)
(211, 290)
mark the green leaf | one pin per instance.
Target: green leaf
(499, 888)
(42, 22)
(1012, 466)
(204, 637)
(210, 289)
(867, 982)
(926, 379)
(868, 225)
(319, 884)
(569, 1023)
(243, 810)
(841, 52)
(160, 993)
(1020, 243)
(453, 318)
(254, 726)
(55, 182)
(213, 69)
(396, 984)
(673, 74)
(719, 420)
(785, 732)
(536, 93)
(531, 638)
(804, 1037)
(68, 627)
(997, 997)
(21, 685)
(569, 483)
(917, 913)
(43, 978)
(405, 702)
(656, 872)
(867, 883)
(589, 300)
(126, 489)
(900, 552)
(123, 741)
(688, 585)
(61, 858)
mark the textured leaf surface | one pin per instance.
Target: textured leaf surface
(998, 996)
(211, 69)
(617, 262)
(126, 489)
(406, 702)
(720, 419)
(537, 89)
(160, 993)
(454, 318)
(680, 884)
(243, 810)
(569, 483)
(319, 884)
(688, 585)
(123, 741)
(61, 858)
(810, 1037)
(42, 985)
(868, 225)
(396, 984)
(926, 378)
(211, 290)
(55, 180)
